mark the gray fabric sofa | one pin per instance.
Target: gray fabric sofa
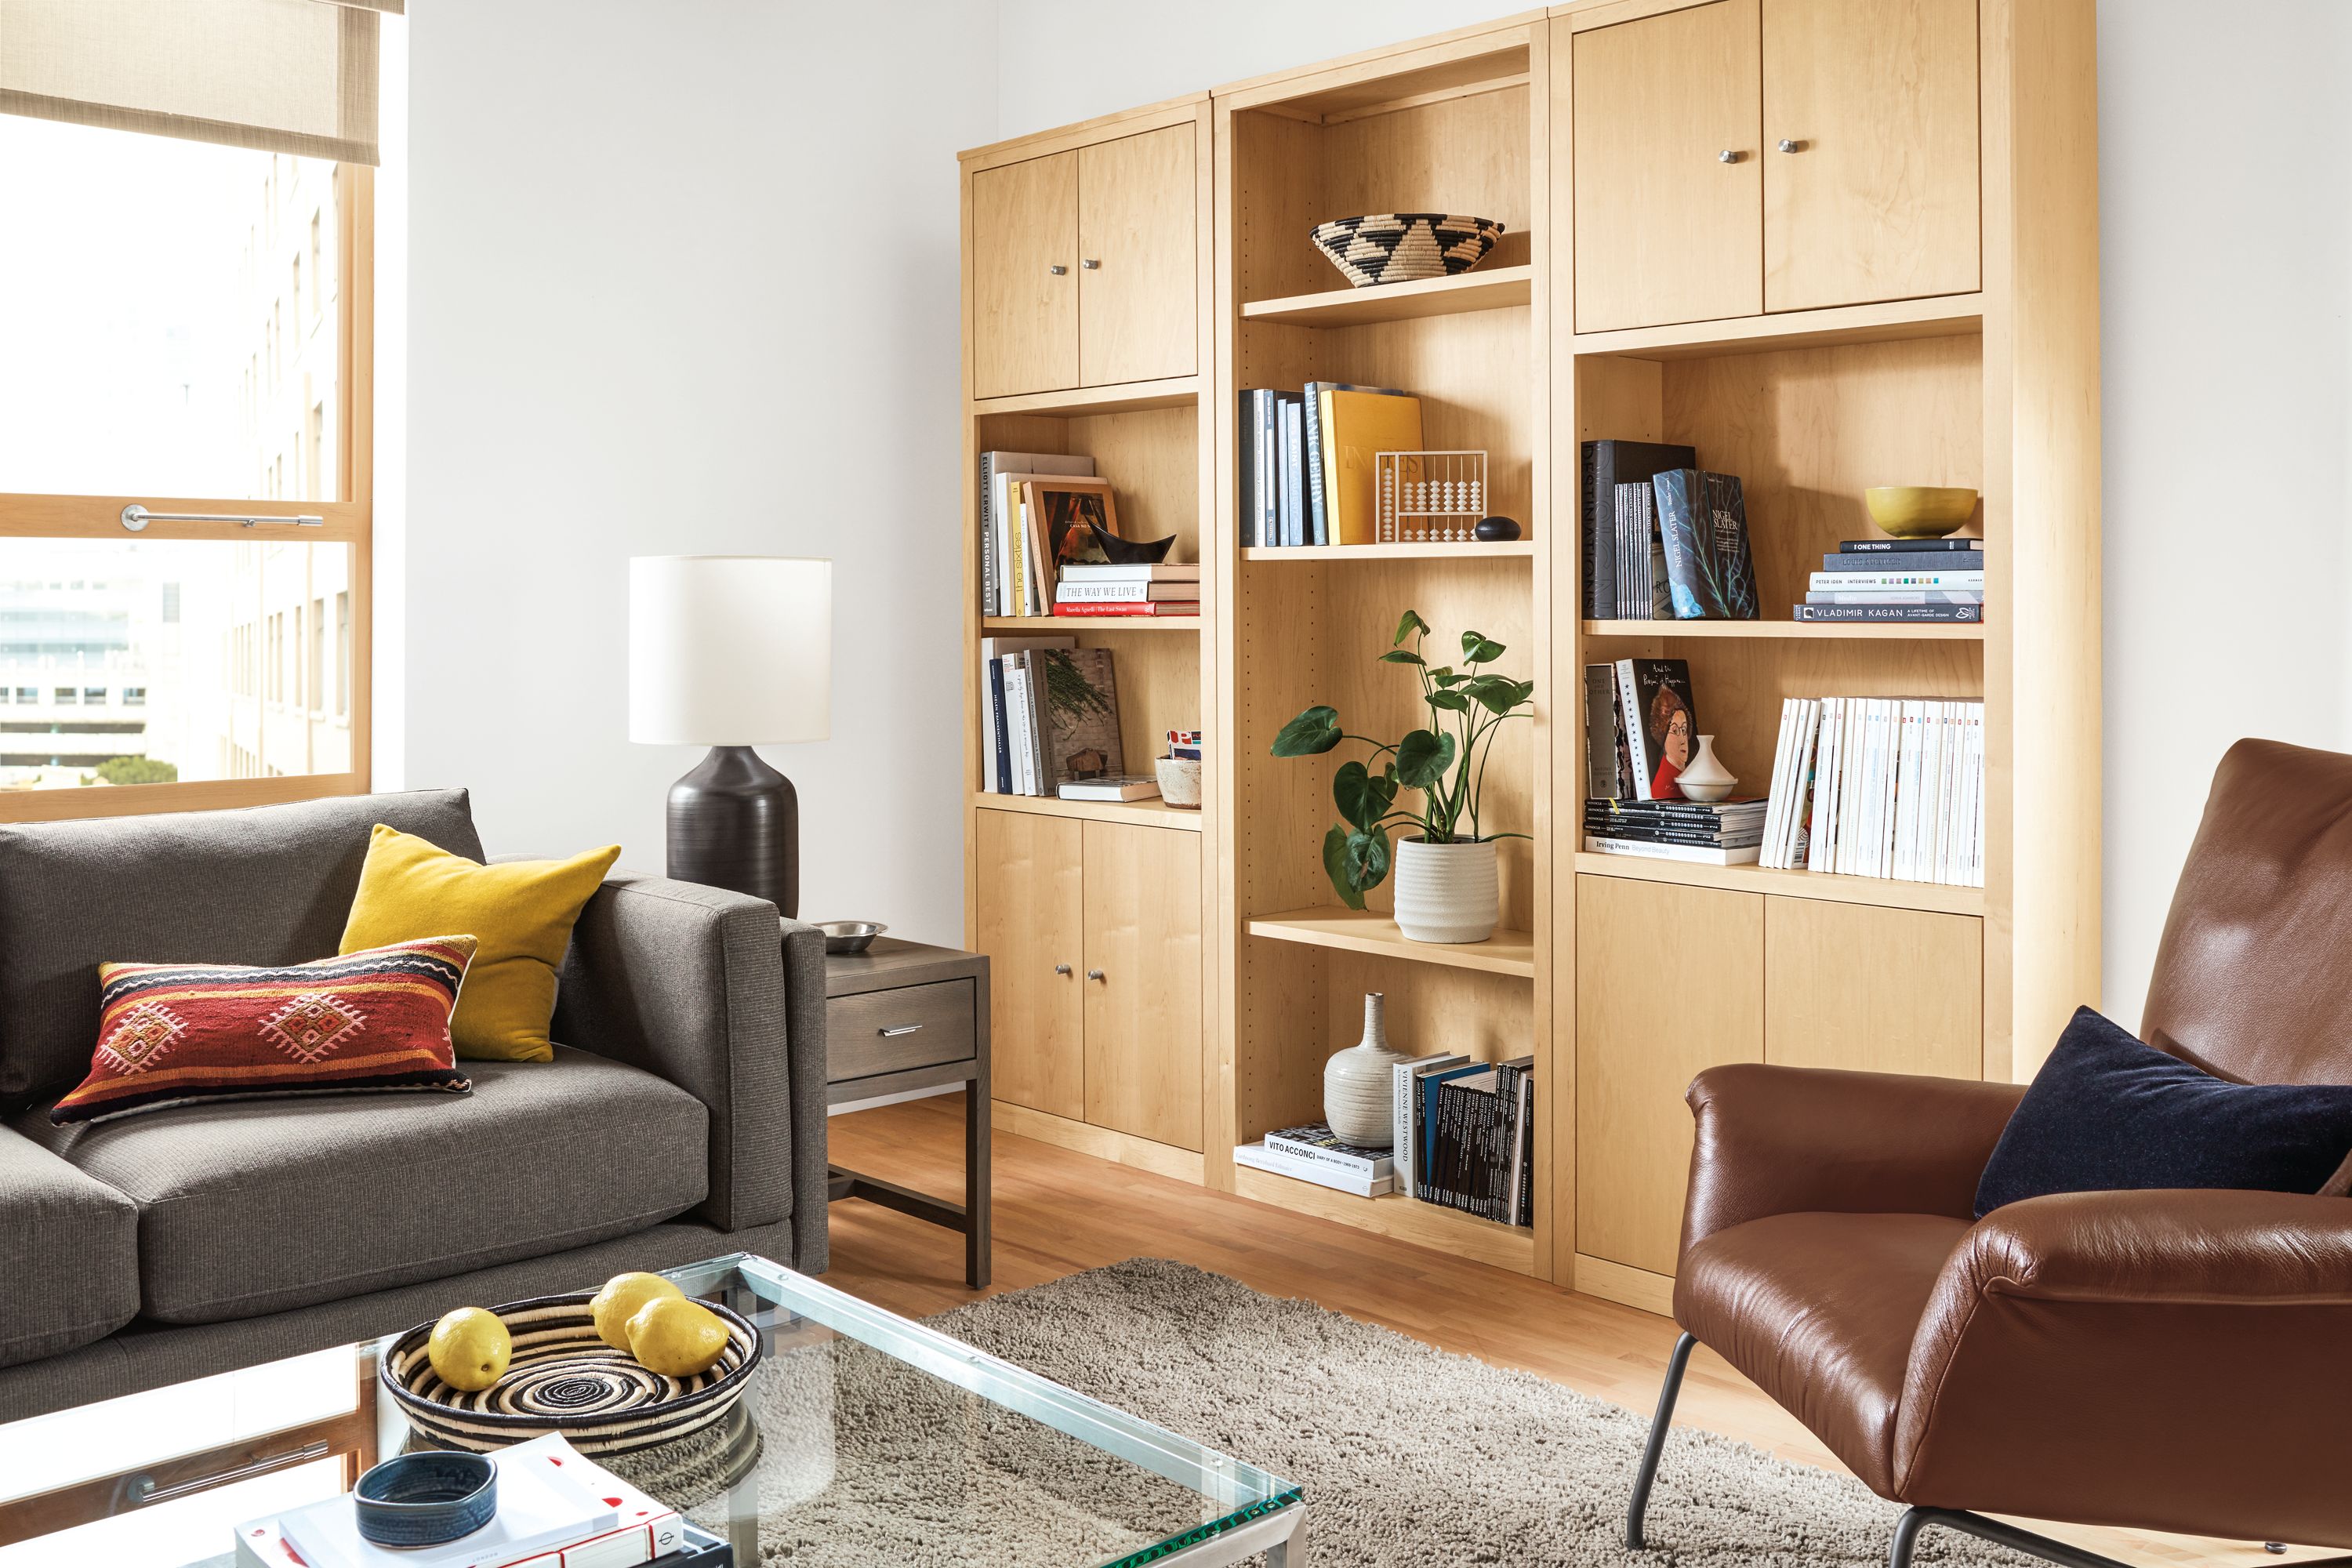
(683, 1117)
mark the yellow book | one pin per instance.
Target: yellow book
(1357, 424)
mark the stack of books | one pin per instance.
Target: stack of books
(1879, 786)
(1165, 588)
(1609, 590)
(1315, 1154)
(1306, 460)
(1898, 580)
(1640, 726)
(1664, 541)
(1464, 1135)
(556, 1508)
(1052, 714)
(1009, 581)
(1722, 833)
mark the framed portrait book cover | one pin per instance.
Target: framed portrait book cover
(1059, 511)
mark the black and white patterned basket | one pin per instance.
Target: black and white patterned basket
(1400, 248)
(562, 1378)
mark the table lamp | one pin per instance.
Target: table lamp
(732, 652)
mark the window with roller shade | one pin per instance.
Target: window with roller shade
(192, 335)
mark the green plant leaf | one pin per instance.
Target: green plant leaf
(1363, 798)
(1477, 649)
(1452, 702)
(1410, 624)
(1500, 694)
(1400, 655)
(1355, 862)
(1422, 758)
(1444, 674)
(1310, 734)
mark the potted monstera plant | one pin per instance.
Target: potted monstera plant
(1448, 887)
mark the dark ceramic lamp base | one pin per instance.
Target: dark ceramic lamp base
(735, 822)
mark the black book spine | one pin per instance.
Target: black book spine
(1247, 461)
(1881, 546)
(1599, 563)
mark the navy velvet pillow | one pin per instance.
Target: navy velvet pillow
(2108, 1113)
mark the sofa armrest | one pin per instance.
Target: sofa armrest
(2174, 1360)
(694, 984)
(1783, 1140)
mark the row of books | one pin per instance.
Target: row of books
(1879, 786)
(1702, 833)
(556, 1508)
(1898, 580)
(1305, 460)
(1052, 710)
(1042, 520)
(1665, 540)
(1463, 1138)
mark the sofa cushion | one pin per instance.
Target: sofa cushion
(269, 885)
(1820, 1310)
(69, 1255)
(263, 1206)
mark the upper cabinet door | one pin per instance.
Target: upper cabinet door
(1669, 183)
(1025, 277)
(1870, 167)
(1138, 287)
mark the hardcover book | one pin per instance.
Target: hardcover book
(1607, 464)
(1078, 710)
(1881, 546)
(1362, 424)
(1318, 452)
(1889, 613)
(1661, 719)
(1703, 525)
(1904, 560)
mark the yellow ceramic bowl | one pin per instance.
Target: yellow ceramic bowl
(1920, 512)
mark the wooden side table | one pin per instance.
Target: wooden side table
(902, 1015)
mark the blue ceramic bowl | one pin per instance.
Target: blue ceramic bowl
(426, 1498)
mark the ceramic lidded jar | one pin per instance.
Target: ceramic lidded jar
(1358, 1083)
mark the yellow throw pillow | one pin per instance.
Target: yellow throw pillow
(519, 914)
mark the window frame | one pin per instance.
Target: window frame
(350, 521)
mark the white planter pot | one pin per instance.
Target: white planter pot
(1446, 892)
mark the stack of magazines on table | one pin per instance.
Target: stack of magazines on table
(556, 1508)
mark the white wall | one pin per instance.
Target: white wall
(684, 280)
(2226, 239)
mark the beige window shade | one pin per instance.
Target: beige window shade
(285, 76)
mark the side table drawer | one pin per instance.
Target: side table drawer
(890, 1031)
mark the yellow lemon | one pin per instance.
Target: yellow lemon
(469, 1349)
(618, 1301)
(677, 1338)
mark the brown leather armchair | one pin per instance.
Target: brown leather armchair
(2176, 1360)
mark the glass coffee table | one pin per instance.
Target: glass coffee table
(866, 1438)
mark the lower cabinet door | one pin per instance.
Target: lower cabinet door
(1669, 980)
(1032, 926)
(1874, 989)
(1142, 981)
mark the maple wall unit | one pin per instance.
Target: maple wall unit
(1856, 245)
(1086, 330)
(1906, 295)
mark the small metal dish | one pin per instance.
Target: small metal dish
(426, 1497)
(850, 936)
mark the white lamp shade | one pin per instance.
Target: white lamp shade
(729, 651)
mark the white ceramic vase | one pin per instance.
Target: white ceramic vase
(1446, 892)
(1705, 778)
(1358, 1085)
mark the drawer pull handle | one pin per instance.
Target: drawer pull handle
(1092, 264)
(1057, 269)
(1094, 974)
(1061, 969)
(895, 1030)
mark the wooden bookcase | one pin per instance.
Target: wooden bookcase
(1894, 301)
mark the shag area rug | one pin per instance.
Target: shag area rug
(1408, 1455)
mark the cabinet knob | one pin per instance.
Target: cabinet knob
(1061, 969)
(1789, 145)
(1057, 269)
(1091, 264)
(1729, 156)
(1094, 974)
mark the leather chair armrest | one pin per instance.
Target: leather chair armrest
(1782, 1140)
(2169, 1359)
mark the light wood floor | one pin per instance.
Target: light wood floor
(1059, 1212)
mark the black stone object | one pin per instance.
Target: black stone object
(735, 822)
(1130, 551)
(1495, 531)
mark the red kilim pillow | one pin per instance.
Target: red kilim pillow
(179, 1034)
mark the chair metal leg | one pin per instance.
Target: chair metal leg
(1914, 1522)
(1675, 1366)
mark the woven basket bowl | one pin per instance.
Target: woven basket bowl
(1400, 248)
(562, 1378)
